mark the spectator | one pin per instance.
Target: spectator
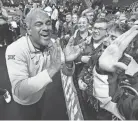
(67, 29)
(85, 78)
(27, 8)
(3, 25)
(54, 18)
(32, 62)
(48, 9)
(114, 33)
(81, 35)
(109, 95)
(90, 15)
(74, 22)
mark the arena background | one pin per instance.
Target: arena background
(106, 2)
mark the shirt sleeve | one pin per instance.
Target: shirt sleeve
(23, 85)
(56, 14)
(101, 93)
(4, 13)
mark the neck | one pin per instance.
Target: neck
(99, 41)
(41, 48)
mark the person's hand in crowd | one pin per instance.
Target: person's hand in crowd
(67, 36)
(82, 85)
(108, 61)
(88, 40)
(85, 59)
(55, 59)
(71, 52)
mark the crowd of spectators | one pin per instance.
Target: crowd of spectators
(100, 26)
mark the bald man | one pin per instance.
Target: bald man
(34, 62)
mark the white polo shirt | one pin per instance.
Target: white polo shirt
(27, 71)
(54, 15)
(48, 9)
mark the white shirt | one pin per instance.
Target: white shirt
(48, 9)
(27, 71)
(54, 15)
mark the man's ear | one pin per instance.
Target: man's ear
(107, 31)
(28, 30)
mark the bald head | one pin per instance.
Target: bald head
(39, 27)
(33, 14)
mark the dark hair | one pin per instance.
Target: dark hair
(97, 3)
(85, 18)
(101, 20)
(22, 5)
(68, 13)
(116, 28)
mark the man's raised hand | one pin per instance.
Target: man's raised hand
(108, 61)
(55, 59)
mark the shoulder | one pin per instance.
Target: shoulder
(18, 47)
(3, 9)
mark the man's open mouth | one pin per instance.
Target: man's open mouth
(44, 35)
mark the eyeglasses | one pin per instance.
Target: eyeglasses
(99, 29)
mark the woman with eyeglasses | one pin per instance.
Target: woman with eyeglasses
(82, 34)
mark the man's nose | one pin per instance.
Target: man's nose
(47, 27)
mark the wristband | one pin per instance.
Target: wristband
(126, 60)
(69, 65)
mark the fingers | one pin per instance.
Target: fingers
(87, 57)
(118, 70)
(58, 42)
(82, 85)
(82, 45)
(58, 53)
(124, 44)
(62, 57)
(88, 40)
(124, 40)
(122, 37)
(78, 49)
(77, 53)
(120, 65)
(135, 27)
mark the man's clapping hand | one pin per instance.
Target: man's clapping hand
(110, 57)
(55, 59)
(71, 52)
